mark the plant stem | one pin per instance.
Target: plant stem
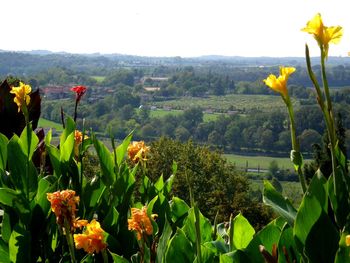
(69, 240)
(295, 143)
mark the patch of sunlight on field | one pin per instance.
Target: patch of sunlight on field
(44, 123)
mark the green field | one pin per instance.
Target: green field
(262, 162)
(99, 79)
(159, 113)
(49, 124)
(266, 103)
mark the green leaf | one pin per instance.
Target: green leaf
(20, 245)
(318, 187)
(163, 241)
(6, 227)
(179, 249)
(314, 232)
(44, 187)
(286, 243)
(190, 229)
(243, 232)
(340, 200)
(159, 184)
(118, 259)
(238, 256)
(67, 148)
(17, 201)
(106, 162)
(4, 252)
(219, 246)
(111, 220)
(179, 208)
(28, 141)
(122, 148)
(69, 129)
(3, 152)
(281, 205)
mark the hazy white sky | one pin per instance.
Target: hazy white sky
(170, 27)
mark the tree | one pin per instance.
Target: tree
(217, 186)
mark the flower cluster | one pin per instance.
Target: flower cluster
(137, 151)
(64, 205)
(140, 222)
(78, 139)
(92, 240)
(21, 95)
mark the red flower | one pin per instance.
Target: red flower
(79, 91)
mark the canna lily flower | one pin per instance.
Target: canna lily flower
(79, 91)
(92, 240)
(78, 139)
(138, 151)
(279, 83)
(324, 35)
(21, 94)
(140, 222)
(64, 205)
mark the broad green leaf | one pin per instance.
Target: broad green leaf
(190, 229)
(3, 152)
(208, 255)
(286, 243)
(118, 259)
(267, 237)
(237, 256)
(48, 137)
(339, 196)
(69, 129)
(179, 208)
(110, 221)
(219, 246)
(168, 184)
(67, 148)
(54, 155)
(20, 245)
(314, 233)
(28, 141)
(163, 241)
(243, 232)
(122, 148)
(318, 187)
(159, 184)
(179, 249)
(343, 253)
(6, 227)
(4, 252)
(106, 162)
(281, 205)
(44, 187)
(12, 198)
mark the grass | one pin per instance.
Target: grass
(50, 124)
(241, 102)
(99, 79)
(159, 113)
(262, 162)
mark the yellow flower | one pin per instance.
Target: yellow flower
(140, 222)
(280, 84)
(92, 239)
(324, 35)
(21, 94)
(138, 151)
(64, 205)
(347, 240)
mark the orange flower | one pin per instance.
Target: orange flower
(92, 240)
(64, 205)
(138, 151)
(140, 222)
(78, 139)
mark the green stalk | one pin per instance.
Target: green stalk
(69, 240)
(331, 129)
(297, 157)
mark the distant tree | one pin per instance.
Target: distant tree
(216, 185)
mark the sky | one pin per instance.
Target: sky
(185, 28)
